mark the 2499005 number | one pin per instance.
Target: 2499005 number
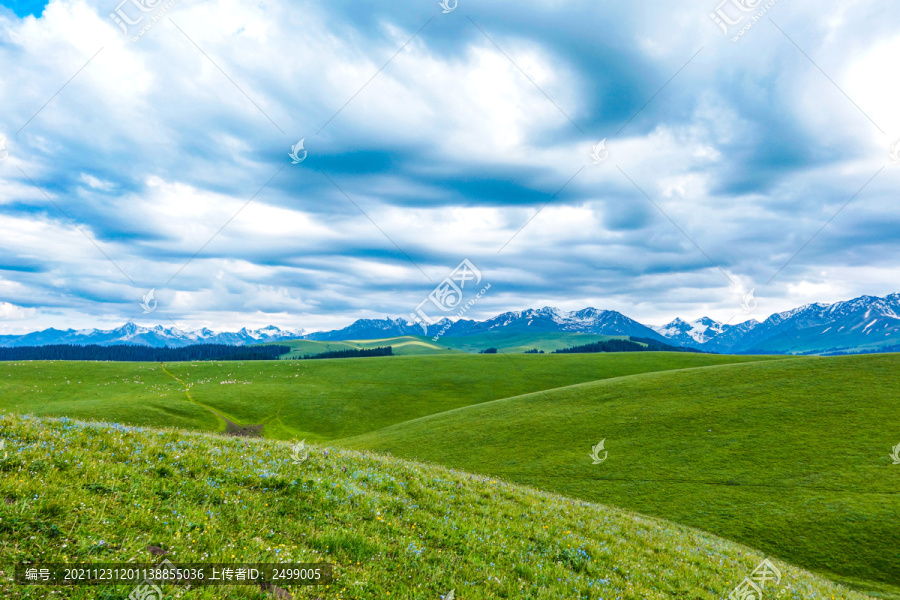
(296, 574)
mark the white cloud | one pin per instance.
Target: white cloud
(450, 149)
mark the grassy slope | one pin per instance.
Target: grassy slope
(514, 343)
(327, 399)
(787, 456)
(316, 399)
(401, 346)
(135, 393)
(392, 529)
(520, 342)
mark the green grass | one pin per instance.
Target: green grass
(788, 456)
(401, 346)
(75, 492)
(134, 393)
(520, 342)
(315, 399)
(511, 343)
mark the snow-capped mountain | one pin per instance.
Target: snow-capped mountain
(370, 329)
(693, 333)
(156, 337)
(547, 319)
(725, 342)
(862, 324)
(586, 320)
(865, 323)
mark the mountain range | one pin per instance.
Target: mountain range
(156, 337)
(864, 324)
(587, 320)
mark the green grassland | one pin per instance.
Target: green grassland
(785, 454)
(401, 346)
(133, 393)
(513, 343)
(76, 492)
(788, 456)
(314, 399)
(520, 342)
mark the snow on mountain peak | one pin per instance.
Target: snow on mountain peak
(700, 330)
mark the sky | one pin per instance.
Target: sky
(638, 157)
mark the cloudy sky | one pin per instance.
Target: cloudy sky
(155, 155)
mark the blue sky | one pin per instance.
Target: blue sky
(24, 8)
(157, 158)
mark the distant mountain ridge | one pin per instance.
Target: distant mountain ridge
(156, 337)
(863, 324)
(587, 320)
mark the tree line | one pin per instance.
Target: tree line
(350, 353)
(633, 344)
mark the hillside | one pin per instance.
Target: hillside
(504, 341)
(313, 399)
(393, 529)
(789, 456)
(402, 346)
(520, 342)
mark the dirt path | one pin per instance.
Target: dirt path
(231, 428)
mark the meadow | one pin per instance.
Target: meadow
(791, 457)
(788, 455)
(513, 343)
(314, 399)
(77, 492)
(402, 346)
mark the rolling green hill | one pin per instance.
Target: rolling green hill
(132, 393)
(547, 341)
(75, 492)
(513, 343)
(402, 346)
(789, 456)
(315, 399)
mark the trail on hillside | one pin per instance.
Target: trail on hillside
(231, 428)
